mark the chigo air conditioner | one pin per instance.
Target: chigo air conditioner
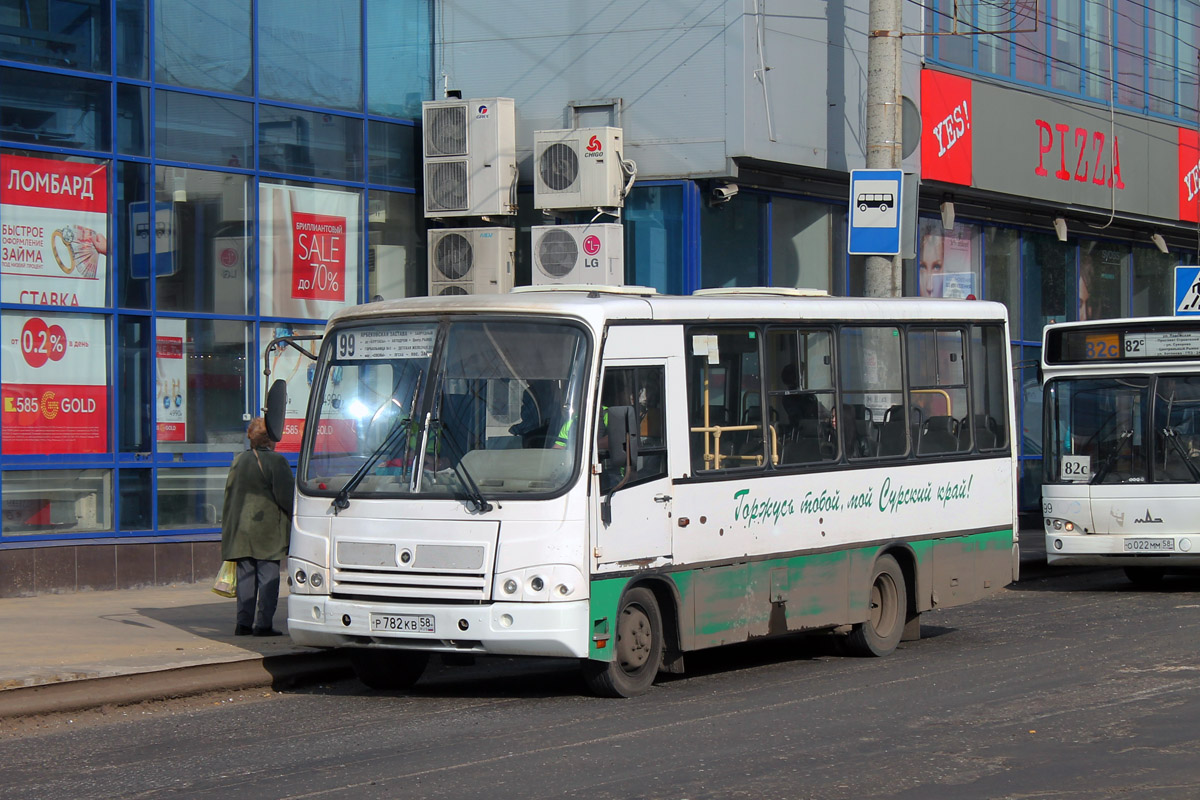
(471, 261)
(470, 157)
(579, 254)
(579, 168)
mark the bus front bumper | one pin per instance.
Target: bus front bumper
(1119, 550)
(526, 629)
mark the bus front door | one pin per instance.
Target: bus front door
(639, 514)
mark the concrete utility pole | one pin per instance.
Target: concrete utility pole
(883, 275)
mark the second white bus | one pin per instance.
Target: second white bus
(1121, 454)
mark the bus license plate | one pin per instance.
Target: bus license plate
(1149, 545)
(402, 623)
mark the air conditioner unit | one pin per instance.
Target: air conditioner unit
(470, 157)
(579, 254)
(579, 168)
(471, 261)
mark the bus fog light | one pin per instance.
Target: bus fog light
(510, 586)
(537, 584)
(301, 577)
(1185, 545)
(463, 624)
(1058, 544)
(564, 589)
(506, 620)
(316, 580)
(316, 613)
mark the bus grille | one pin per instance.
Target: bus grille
(408, 585)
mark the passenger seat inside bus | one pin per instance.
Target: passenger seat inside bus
(938, 435)
(893, 435)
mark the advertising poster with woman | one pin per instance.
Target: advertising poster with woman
(308, 251)
(55, 393)
(53, 232)
(947, 259)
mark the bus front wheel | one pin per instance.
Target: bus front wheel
(637, 649)
(388, 669)
(884, 626)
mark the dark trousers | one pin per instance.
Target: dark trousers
(257, 592)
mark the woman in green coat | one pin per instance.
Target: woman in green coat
(255, 528)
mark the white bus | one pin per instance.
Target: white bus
(621, 477)
(1121, 436)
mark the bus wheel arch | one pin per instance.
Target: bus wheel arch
(638, 644)
(887, 614)
(907, 560)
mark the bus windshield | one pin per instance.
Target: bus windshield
(461, 408)
(1099, 430)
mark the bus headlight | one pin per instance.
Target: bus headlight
(306, 577)
(554, 582)
(1053, 524)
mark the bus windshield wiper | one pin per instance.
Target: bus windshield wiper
(1099, 475)
(464, 475)
(402, 426)
(342, 500)
(1172, 436)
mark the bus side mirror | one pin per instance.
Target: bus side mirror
(622, 438)
(276, 405)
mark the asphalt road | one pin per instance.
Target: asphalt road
(1072, 686)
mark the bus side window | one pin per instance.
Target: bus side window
(989, 387)
(724, 387)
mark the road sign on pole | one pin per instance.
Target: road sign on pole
(1187, 291)
(875, 196)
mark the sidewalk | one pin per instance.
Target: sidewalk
(63, 652)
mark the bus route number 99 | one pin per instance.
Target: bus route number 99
(345, 345)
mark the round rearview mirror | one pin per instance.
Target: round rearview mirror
(276, 405)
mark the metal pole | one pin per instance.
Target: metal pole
(883, 124)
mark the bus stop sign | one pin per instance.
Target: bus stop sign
(875, 212)
(1187, 291)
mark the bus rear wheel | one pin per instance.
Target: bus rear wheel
(884, 626)
(388, 669)
(637, 649)
(1145, 577)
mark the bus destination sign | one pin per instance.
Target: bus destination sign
(1122, 340)
(1105, 345)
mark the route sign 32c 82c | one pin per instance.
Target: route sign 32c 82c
(875, 212)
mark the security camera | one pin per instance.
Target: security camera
(723, 193)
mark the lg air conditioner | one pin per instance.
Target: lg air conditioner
(579, 168)
(470, 157)
(579, 254)
(471, 261)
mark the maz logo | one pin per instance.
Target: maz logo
(1091, 163)
(1149, 519)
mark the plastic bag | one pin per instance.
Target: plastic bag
(226, 582)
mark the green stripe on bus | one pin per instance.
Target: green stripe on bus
(815, 585)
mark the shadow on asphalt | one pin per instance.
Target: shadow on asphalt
(535, 678)
(1101, 579)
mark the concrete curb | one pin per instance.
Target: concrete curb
(274, 671)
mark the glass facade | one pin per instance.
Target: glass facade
(1139, 55)
(182, 181)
